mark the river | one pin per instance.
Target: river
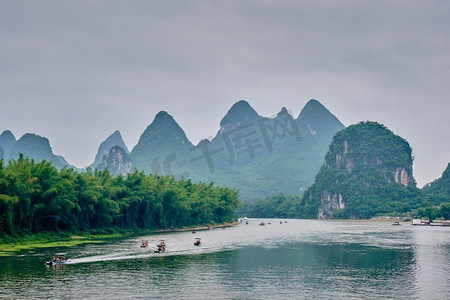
(295, 259)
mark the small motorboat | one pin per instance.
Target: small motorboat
(161, 247)
(262, 224)
(144, 244)
(194, 231)
(58, 261)
(396, 223)
(197, 242)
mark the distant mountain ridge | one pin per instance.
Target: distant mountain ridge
(7, 141)
(30, 145)
(257, 155)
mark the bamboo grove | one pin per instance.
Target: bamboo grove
(36, 197)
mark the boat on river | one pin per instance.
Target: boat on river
(57, 261)
(197, 242)
(144, 244)
(161, 247)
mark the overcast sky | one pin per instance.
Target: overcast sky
(76, 71)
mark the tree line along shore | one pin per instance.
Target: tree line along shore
(36, 198)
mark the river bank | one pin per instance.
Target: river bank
(29, 242)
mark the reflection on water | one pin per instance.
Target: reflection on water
(298, 259)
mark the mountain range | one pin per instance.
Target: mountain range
(30, 145)
(259, 156)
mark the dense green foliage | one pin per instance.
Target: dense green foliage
(438, 191)
(36, 197)
(434, 212)
(276, 206)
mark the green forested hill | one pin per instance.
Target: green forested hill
(367, 171)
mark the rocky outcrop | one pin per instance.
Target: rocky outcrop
(328, 204)
(117, 161)
(115, 139)
(401, 176)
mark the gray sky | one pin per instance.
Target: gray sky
(76, 71)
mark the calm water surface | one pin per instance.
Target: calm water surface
(300, 259)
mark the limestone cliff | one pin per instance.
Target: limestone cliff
(117, 161)
(114, 139)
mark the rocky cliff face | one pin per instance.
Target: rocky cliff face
(329, 203)
(114, 139)
(366, 163)
(117, 161)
